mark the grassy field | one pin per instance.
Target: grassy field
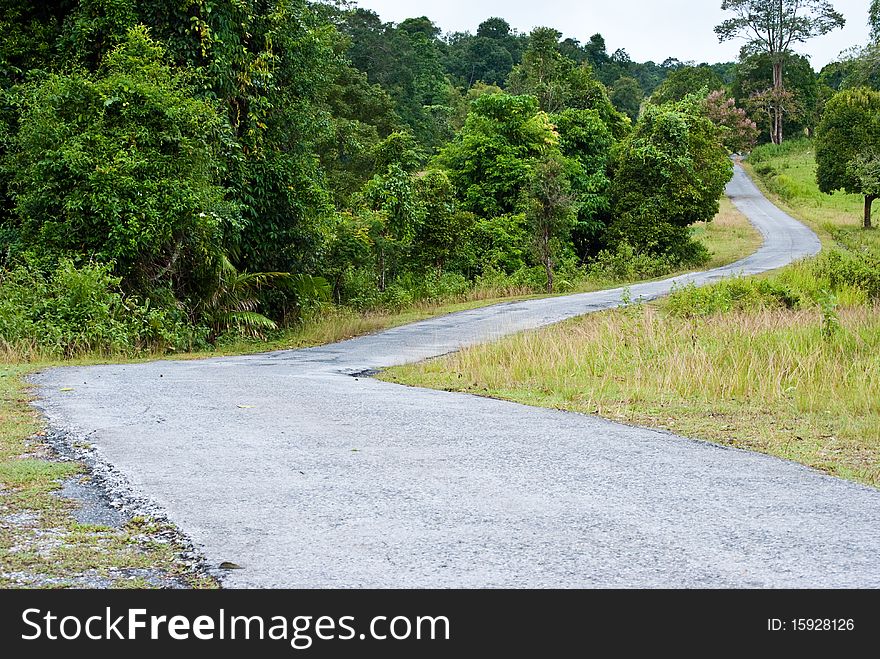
(40, 543)
(800, 383)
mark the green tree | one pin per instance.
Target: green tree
(627, 95)
(362, 115)
(874, 20)
(271, 64)
(489, 163)
(391, 197)
(559, 83)
(124, 167)
(549, 209)
(848, 145)
(773, 27)
(586, 142)
(544, 71)
(406, 60)
(687, 80)
(30, 30)
(667, 175)
(487, 56)
(797, 103)
(596, 51)
(441, 226)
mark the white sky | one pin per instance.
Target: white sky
(647, 29)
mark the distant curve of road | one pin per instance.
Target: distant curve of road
(306, 472)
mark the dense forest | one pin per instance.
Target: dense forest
(173, 171)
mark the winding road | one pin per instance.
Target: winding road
(306, 472)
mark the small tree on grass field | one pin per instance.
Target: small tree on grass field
(848, 146)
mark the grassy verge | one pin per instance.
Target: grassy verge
(786, 365)
(41, 545)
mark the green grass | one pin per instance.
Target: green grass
(741, 368)
(40, 543)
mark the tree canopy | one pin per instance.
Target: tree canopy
(848, 145)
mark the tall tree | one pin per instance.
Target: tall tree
(490, 161)
(798, 100)
(773, 27)
(544, 71)
(559, 83)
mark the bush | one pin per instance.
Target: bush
(850, 277)
(731, 295)
(841, 269)
(623, 264)
(123, 166)
(357, 288)
(82, 310)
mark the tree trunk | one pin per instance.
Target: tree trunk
(778, 87)
(382, 270)
(869, 200)
(548, 259)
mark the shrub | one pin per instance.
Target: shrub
(624, 264)
(845, 276)
(82, 310)
(731, 295)
(839, 269)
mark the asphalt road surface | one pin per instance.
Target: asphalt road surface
(305, 475)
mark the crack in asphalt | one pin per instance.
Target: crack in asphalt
(305, 477)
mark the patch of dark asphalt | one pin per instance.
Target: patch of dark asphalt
(93, 504)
